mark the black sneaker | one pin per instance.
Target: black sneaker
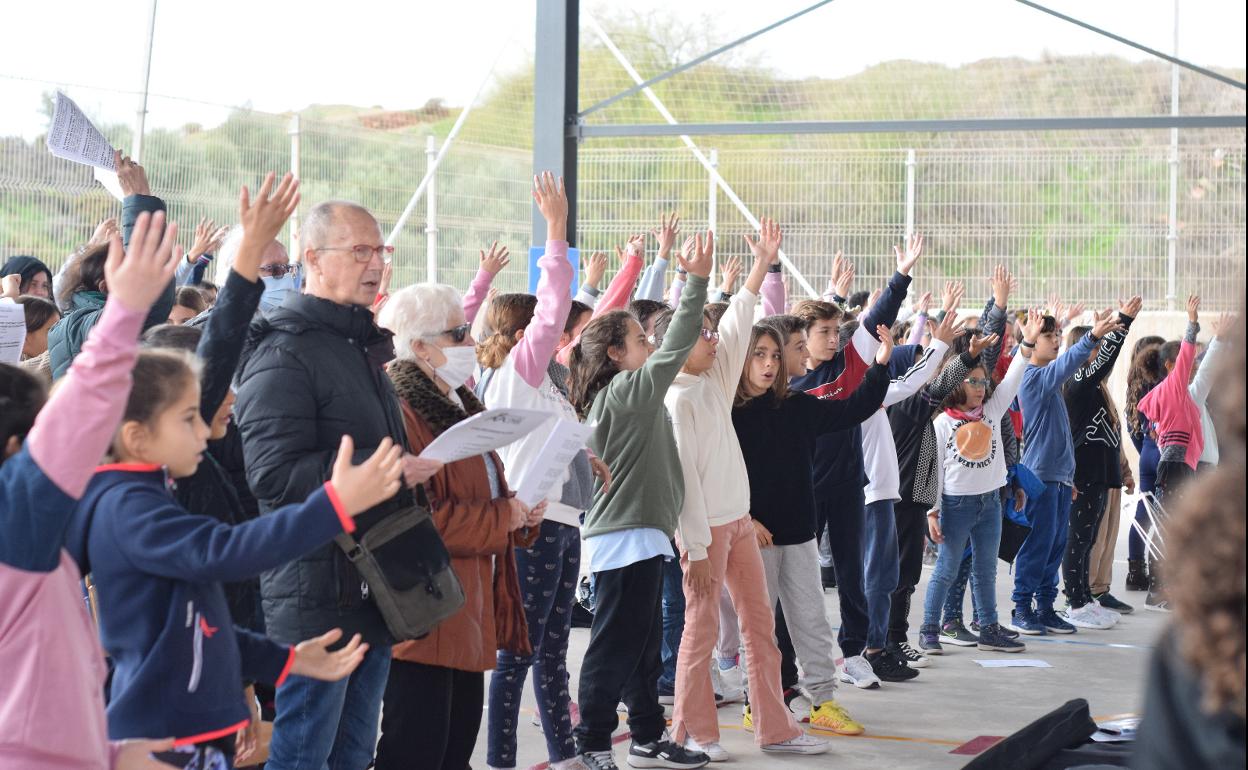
(599, 760)
(889, 668)
(1110, 602)
(664, 753)
(1137, 575)
(828, 577)
(991, 638)
(953, 632)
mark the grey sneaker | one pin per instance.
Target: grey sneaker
(929, 640)
(953, 632)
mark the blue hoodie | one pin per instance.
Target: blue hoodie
(158, 571)
(1049, 451)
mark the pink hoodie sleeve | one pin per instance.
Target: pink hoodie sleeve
(554, 299)
(920, 325)
(673, 294)
(773, 294)
(475, 295)
(74, 429)
(614, 298)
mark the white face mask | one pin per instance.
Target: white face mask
(461, 360)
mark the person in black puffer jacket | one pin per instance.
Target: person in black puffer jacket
(311, 372)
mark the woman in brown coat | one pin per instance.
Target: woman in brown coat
(435, 692)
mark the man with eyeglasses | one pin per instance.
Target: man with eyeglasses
(311, 373)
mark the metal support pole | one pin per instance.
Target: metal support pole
(712, 205)
(909, 193)
(294, 131)
(140, 122)
(693, 148)
(554, 101)
(1172, 232)
(431, 213)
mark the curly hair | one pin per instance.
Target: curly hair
(1205, 566)
(1146, 371)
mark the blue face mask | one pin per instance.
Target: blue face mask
(277, 289)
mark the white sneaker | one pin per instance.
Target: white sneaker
(716, 752)
(858, 672)
(1086, 617)
(802, 744)
(731, 682)
(1112, 616)
(913, 658)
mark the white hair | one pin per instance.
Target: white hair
(227, 252)
(418, 312)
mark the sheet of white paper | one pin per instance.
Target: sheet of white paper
(483, 433)
(565, 440)
(12, 331)
(73, 137)
(1012, 663)
(110, 182)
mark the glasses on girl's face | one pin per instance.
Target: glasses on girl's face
(458, 333)
(981, 382)
(277, 269)
(710, 335)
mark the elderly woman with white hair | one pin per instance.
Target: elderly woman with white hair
(435, 691)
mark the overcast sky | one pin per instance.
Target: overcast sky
(279, 55)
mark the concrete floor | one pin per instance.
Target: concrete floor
(916, 724)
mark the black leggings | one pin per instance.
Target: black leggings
(1085, 518)
(430, 717)
(911, 521)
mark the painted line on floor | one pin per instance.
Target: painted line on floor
(1119, 645)
(872, 736)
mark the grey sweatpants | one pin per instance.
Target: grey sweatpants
(793, 578)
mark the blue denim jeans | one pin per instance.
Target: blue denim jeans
(673, 620)
(548, 572)
(881, 566)
(975, 519)
(330, 725)
(956, 597)
(1040, 558)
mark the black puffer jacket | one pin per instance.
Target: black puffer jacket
(312, 372)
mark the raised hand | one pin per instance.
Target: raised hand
(872, 298)
(103, 232)
(1002, 281)
(886, 344)
(262, 219)
(1074, 311)
(636, 247)
(1193, 308)
(698, 260)
(496, 259)
(1032, 326)
(315, 661)
(1223, 325)
(1130, 308)
(766, 246)
(948, 328)
(980, 344)
(838, 267)
(731, 271)
(360, 487)
(137, 277)
(203, 241)
(846, 279)
(595, 269)
(666, 232)
(923, 304)
(1106, 322)
(552, 201)
(914, 250)
(130, 175)
(951, 297)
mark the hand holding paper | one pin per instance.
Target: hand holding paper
(12, 331)
(73, 137)
(483, 433)
(548, 466)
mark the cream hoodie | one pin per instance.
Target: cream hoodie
(717, 487)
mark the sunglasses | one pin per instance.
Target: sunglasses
(982, 382)
(278, 269)
(710, 335)
(459, 333)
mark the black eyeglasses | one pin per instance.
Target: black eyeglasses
(982, 382)
(278, 269)
(362, 251)
(459, 333)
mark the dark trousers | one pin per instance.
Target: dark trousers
(842, 509)
(911, 520)
(622, 660)
(673, 620)
(1085, 518)
(788, 655)
(430, 717)
(1135, 543)
(548, 572)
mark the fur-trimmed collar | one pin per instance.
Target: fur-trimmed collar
(421, 394)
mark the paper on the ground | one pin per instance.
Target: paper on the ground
(1117, 730)
(110, 182)
(12, 331)
(483, 433)
(566, 438)
(73, 137)
(1012, 663)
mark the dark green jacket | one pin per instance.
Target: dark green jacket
(66, 338)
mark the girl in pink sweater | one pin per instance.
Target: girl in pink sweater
(52, 706)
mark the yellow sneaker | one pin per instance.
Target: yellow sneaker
(747, 719)
(832, 716)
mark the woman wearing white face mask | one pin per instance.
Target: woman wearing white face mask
(435, 691)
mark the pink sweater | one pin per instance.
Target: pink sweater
(1170, 407)
(51, 701)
